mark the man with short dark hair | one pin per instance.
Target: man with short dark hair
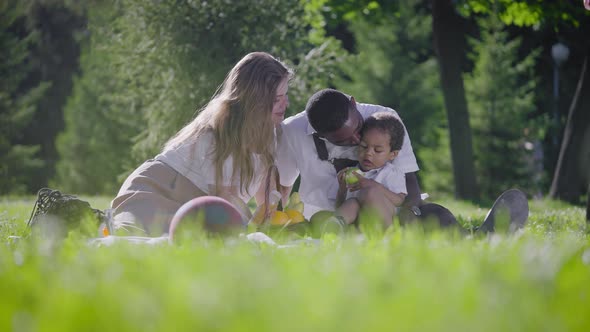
(320, 141)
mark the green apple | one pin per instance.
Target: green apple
(350, 178)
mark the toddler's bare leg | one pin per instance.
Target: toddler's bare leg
(349, 210)
(375, 199)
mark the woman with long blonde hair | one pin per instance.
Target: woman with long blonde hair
(225, 151)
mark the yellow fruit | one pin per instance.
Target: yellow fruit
(297, 207)
(294, 199)
(295, 203)
(258, 215)
(105, 231)
(295, 216)
(279, 218)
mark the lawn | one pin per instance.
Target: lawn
(406, 280)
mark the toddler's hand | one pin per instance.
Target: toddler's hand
(341, 177)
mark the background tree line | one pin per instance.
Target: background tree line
(91, 89)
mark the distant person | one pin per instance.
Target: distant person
(225, 151)
(381, 140)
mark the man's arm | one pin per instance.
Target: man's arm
(286, 163)
(413, 188)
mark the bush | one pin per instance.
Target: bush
(149, 67)
(500, 93)
(17, 161)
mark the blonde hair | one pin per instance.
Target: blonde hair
(239, 116)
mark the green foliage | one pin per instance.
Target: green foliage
(534, 281)
(150, 66)
(96, 145)
(39, 54)
(395, 67)
(500, 92)
(520, 13)
(17, 161)
(528, 13)
(436, 175)
(337, 11)
(53, 58)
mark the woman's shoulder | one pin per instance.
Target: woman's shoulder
(199, 143)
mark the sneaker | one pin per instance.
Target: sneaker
(509, 212)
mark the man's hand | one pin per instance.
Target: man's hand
(413, 197)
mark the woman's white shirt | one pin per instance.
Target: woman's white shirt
(195, 161)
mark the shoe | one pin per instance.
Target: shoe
(509, 212)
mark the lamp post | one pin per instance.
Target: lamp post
(559, 53)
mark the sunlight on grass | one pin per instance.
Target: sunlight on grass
(406, 280)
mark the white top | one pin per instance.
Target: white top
(195, 161)
(389, 176)
(319, 186)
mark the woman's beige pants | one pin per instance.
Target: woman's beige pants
(149, 198)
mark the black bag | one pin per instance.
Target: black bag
(68, 210)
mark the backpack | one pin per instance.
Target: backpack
(66, 212)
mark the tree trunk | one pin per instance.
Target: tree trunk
(449, 44)
(559, 175)
(588, 203)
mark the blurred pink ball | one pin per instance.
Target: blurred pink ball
(217, 215)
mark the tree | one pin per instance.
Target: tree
(448, 32)
(95, 147)
(149, 66)
(395, 66)
(17, 106)
(51, 59)
(500, 92)
(558, 177)
(544, 23)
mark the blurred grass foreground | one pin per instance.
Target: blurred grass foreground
(406, 280)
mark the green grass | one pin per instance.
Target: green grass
(538, 280)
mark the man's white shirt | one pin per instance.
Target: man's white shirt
(297, 155)
(389, 176)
